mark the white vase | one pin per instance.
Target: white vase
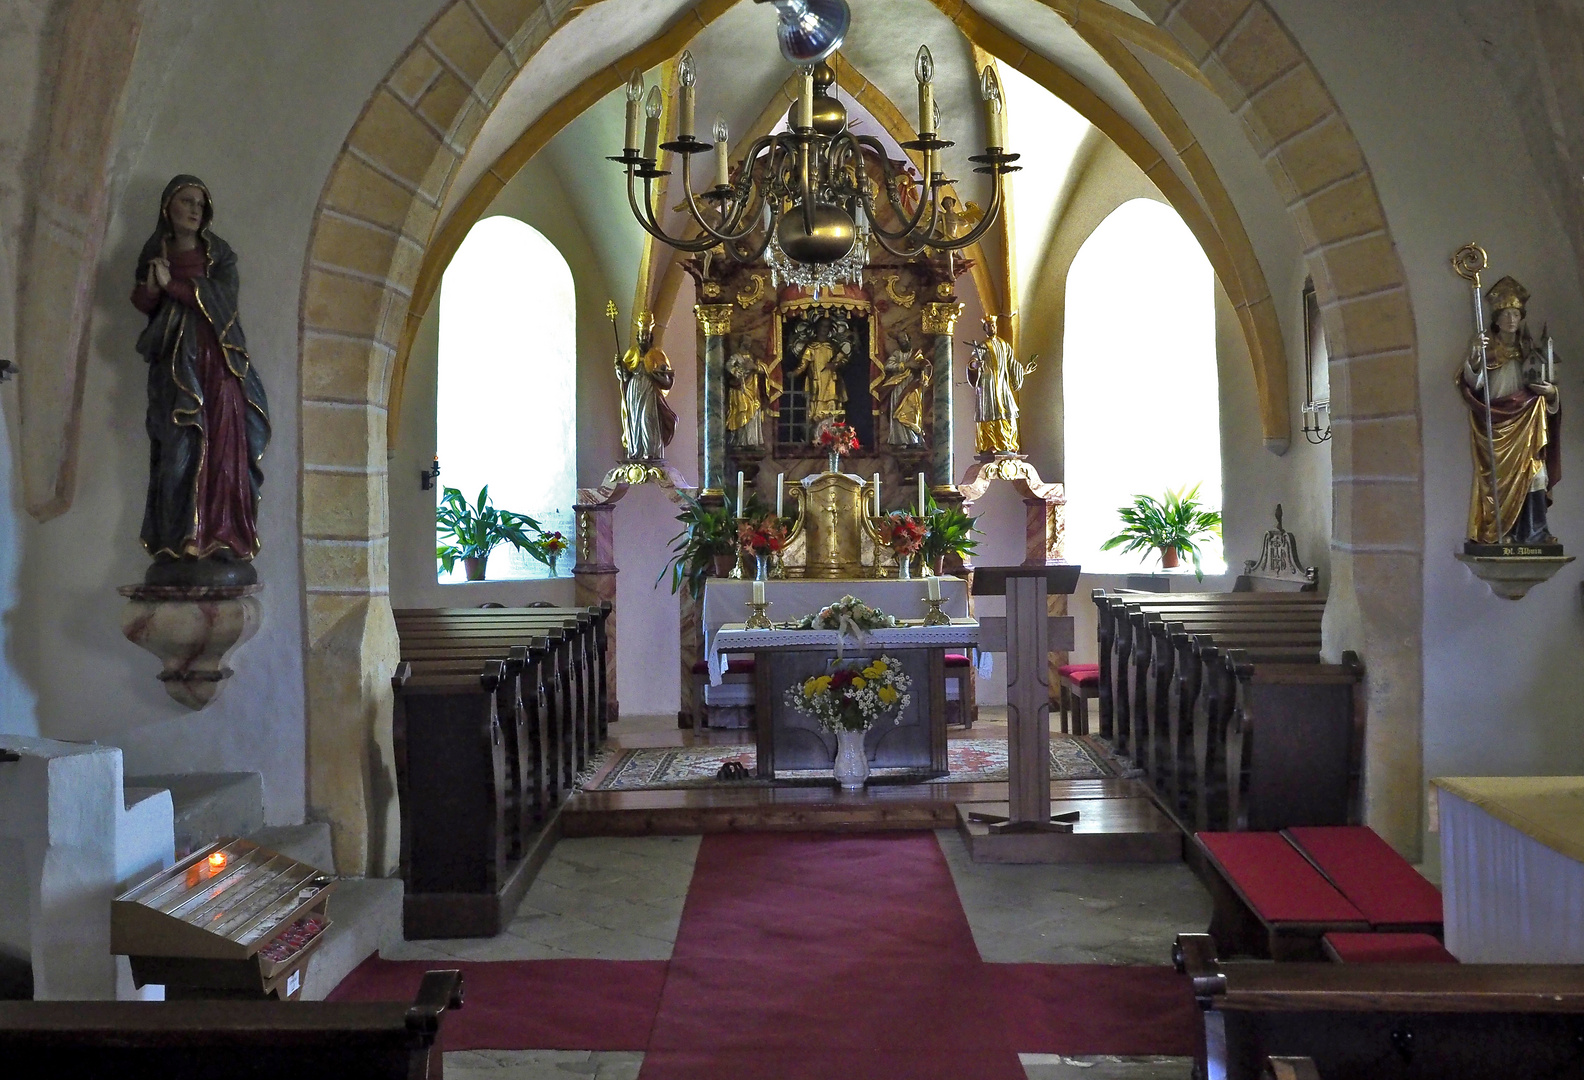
(851, 767)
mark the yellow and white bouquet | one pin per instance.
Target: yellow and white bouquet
(855, 695)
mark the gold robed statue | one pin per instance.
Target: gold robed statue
(906, 373)
(1523, 424)
(996, 376)
(748, 398)
(824, 347)
(645, 376)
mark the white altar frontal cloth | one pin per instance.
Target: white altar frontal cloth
(735, 638)
(1512, 868)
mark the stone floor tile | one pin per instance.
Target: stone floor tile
(542, 1064)
(1058, 1067)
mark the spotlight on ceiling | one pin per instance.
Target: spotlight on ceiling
(810, 30)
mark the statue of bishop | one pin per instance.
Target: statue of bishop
(996, 376)
(645, 375)
(1524, 424)
(906, 373)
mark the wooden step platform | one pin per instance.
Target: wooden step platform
(891, 806)
(1127, 829)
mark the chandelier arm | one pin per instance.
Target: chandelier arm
(973, 235)
(909, 227)
(901, 253)
(724, 233)
(646, 219)
(893, 176)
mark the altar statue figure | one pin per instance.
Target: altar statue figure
(648, 424)
(208, 419)
(906, 373)
(1525, 414)
(747, 399)
(996, 376)
(824, 347)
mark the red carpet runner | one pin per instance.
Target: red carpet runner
(813, 955)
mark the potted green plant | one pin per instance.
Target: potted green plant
(1172, 525)
(471, 532)
(950, 532)
(706, 544)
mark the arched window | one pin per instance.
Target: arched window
(1139, 379)
(507, 397)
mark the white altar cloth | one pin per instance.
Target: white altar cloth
(734, 637)
(726, 601)
(1512, 868)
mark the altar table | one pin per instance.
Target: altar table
(1512, 868)
(726, 601)
(786, 739)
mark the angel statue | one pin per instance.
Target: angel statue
(905, 374)
(1508, 382)
(748, 397)
(645, 375)
(208, 420)
(996, 376)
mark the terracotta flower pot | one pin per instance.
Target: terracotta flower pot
(1169, 558)
(475, 568)
(938, 567)
(724, 565)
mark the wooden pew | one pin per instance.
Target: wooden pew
(247, 1040)
(1368, 1021)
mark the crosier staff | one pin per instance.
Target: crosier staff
(1468, 261)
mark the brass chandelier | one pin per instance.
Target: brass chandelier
(806, 199)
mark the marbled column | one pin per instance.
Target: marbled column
(940, 320)
(715, 320)
(594, 577)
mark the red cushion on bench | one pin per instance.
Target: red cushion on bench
(1276, 880)
(1366, 870)
(1388, 949)
(956, 659)
(1082, 674)
(735, 666)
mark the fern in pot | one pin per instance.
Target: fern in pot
(471, 531)
(1173, 525)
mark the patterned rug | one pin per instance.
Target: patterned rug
(1072, 757)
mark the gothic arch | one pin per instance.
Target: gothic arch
(377, 220)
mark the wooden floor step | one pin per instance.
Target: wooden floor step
(1120, 830)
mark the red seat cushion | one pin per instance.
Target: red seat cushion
(1387, 949)
(1366, 870)
(956, 659)
(737, 665)
(1278, 882)
(1082, 674)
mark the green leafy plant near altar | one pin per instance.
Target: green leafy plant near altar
(949, 532)
(470, 531)
(709, 533)
(1172, 525)
(847, 613)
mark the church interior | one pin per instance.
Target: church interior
(791, 538)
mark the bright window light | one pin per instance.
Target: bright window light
(508, 391)
(1139, 380)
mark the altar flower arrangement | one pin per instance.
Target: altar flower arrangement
(766, 536)
(838, 438)
(848, 613)
(855, 696)
(903, 533)
(554, 543)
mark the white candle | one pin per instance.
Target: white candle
(1550, 368)
(877, 494)
(688, 76)
(780, 495)
(805, 102)
(758, 591)
(921, 503)
(740, 506)
(722, 154)
(634, 108)
(652, 124)
(932, 587)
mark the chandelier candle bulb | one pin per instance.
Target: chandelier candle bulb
(805, 102)
(652, 125)
(995, 116)
(688, 76)
(780, 494)
(634, 106)
(722, 154)
(924, 70)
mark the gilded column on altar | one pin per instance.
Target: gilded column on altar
(940, 321)
(716, 322)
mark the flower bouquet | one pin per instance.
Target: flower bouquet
(904, 534)
(850, 700)
(849, 614)
(762, 538)
(554, 543)
(837, 439)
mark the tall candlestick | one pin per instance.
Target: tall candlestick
(932, 587)
(758, 591)
(634, 107)
(805, 102)
(722, 154)
(688, 76)
(780, 494)
(877, 494)
(922, 504)
(652, 125)
(740, 507)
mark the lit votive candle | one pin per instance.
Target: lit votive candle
(217, 861)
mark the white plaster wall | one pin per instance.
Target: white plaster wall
(1451, 166)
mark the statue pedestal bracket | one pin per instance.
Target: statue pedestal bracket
(1512, 576)
(193, 630)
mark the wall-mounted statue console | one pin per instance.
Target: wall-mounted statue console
(193, 630)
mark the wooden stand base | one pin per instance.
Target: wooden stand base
(479, 915)
(1105, 831)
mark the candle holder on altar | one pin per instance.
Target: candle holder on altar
(758, 620)
(935, 616)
